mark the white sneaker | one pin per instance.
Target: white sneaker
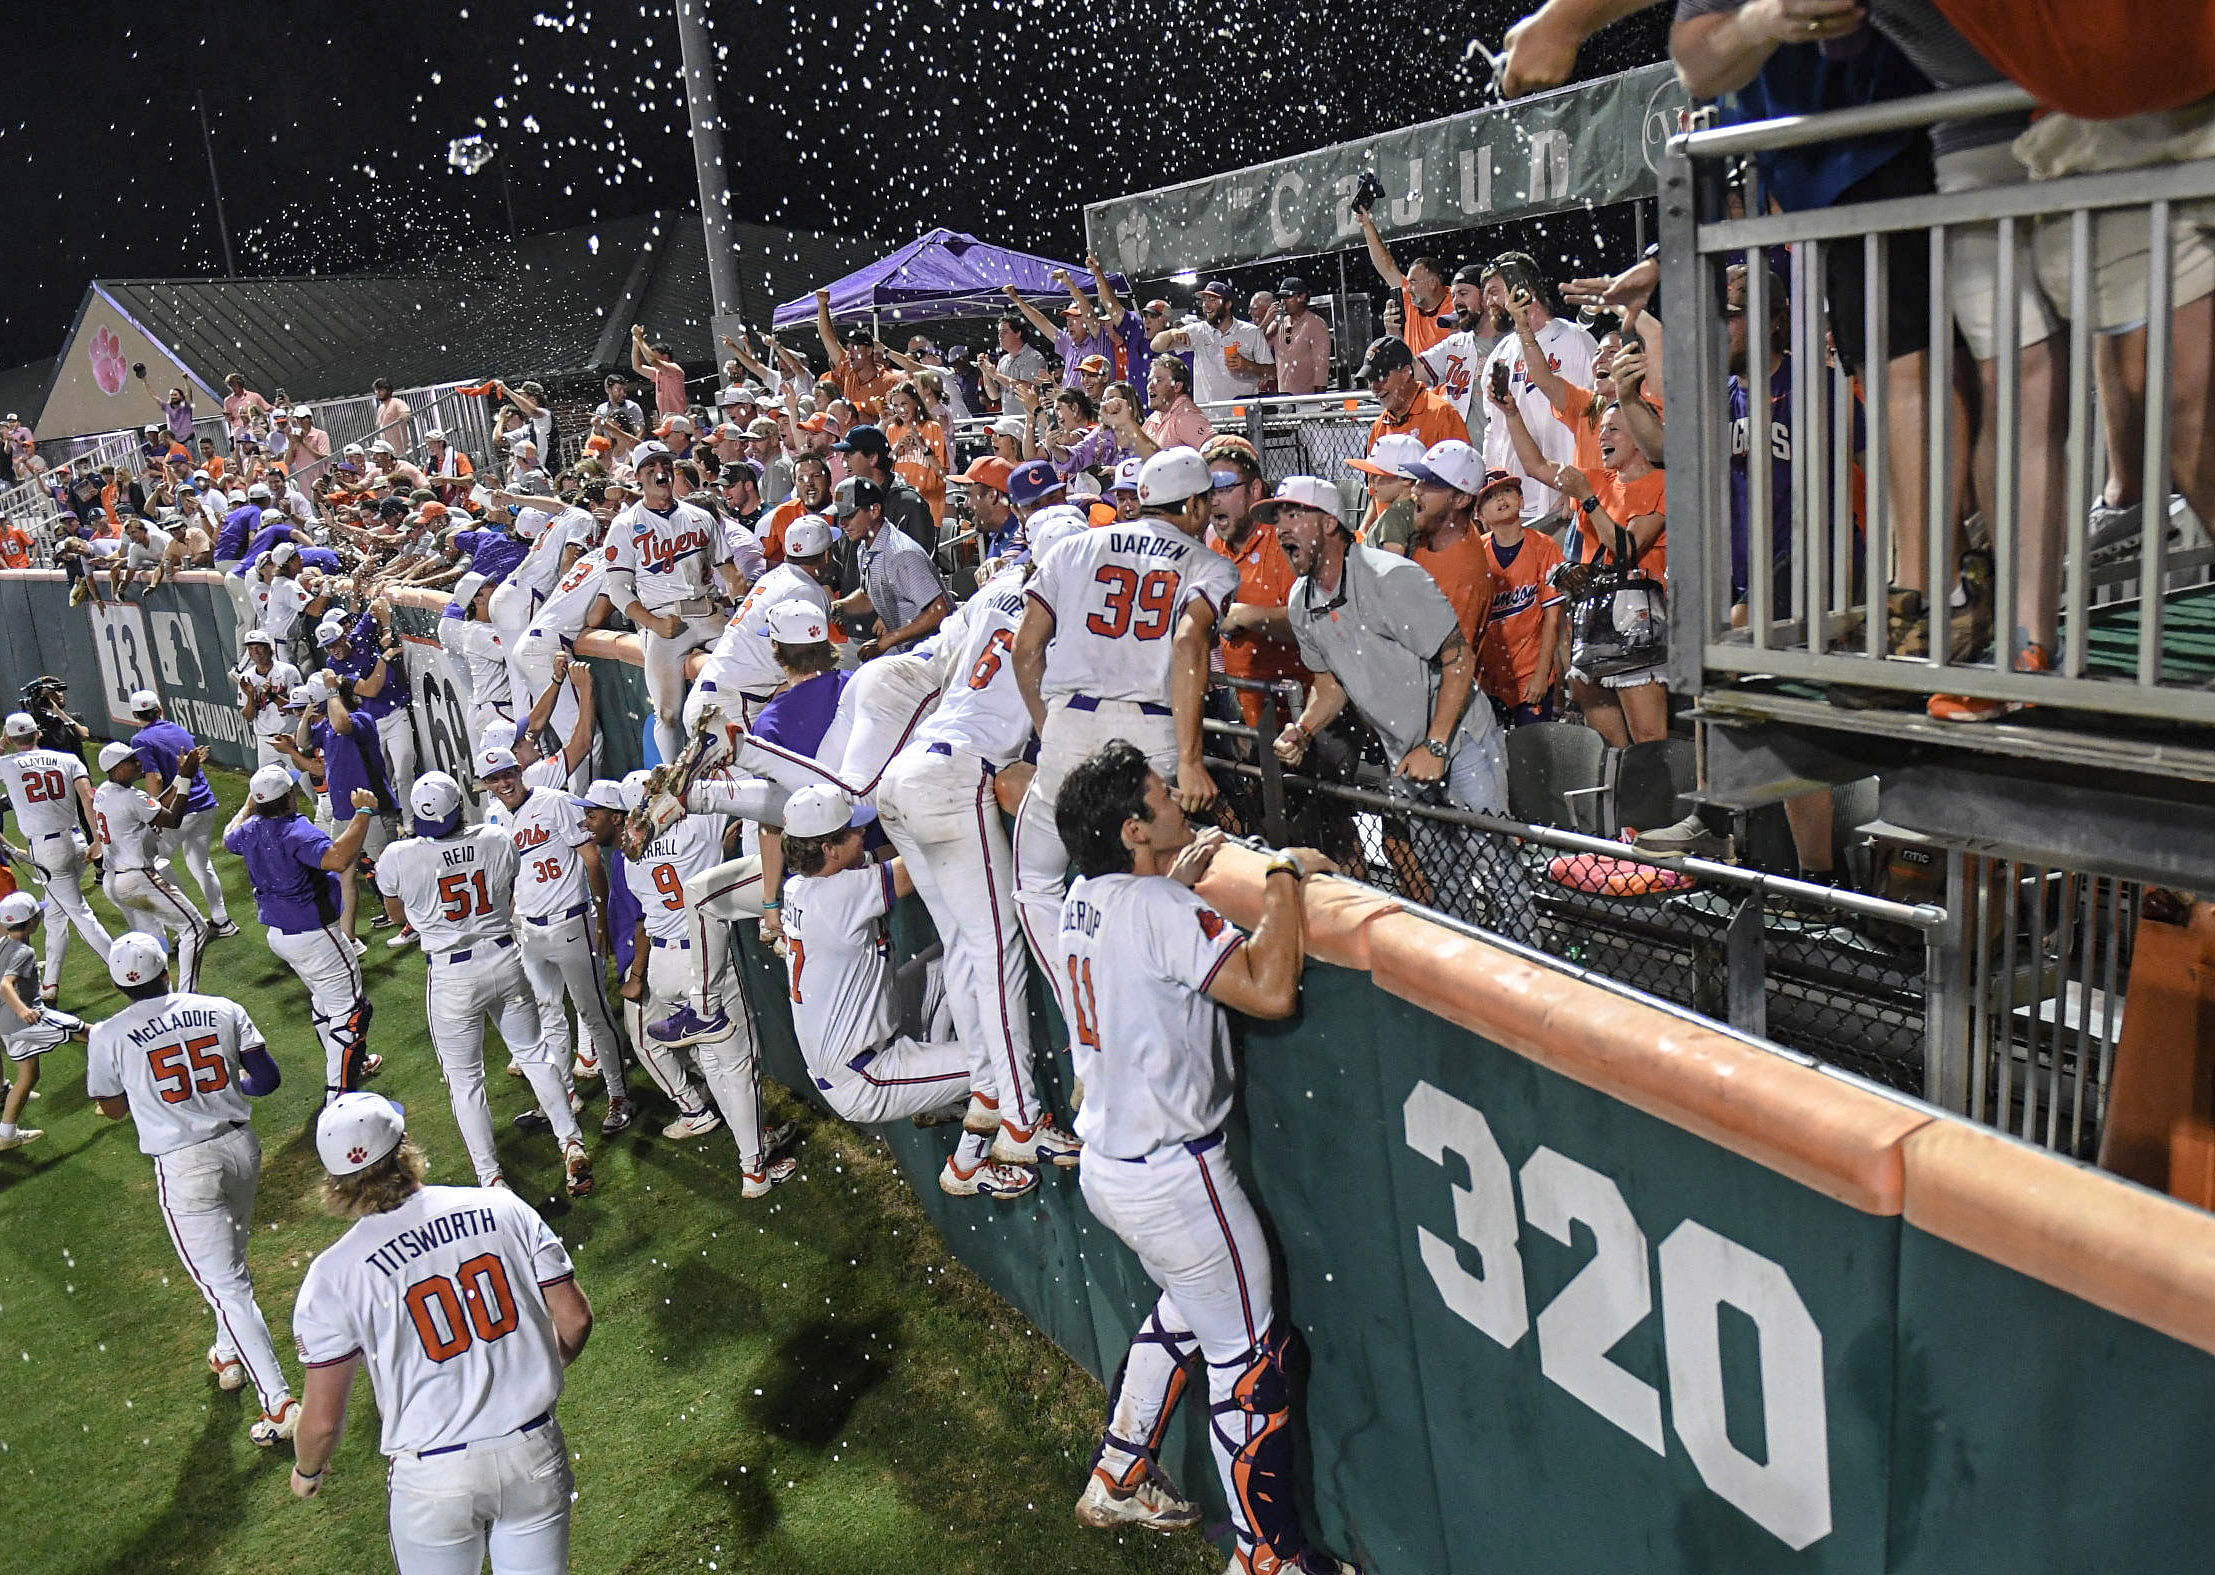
(359, 951)
(983, 1114)
(695, 1125)
(230, 1372)
(757, 1184)
(986, 1181)
(577, 1170)
(406, 937)
(1046, 1143)
(274, 1429)
(22, 1136)
(584, 1069)
(1152, 1504)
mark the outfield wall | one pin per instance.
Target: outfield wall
(1590, 1286)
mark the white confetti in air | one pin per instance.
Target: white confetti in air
(469, 154)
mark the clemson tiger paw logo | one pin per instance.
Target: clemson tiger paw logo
(108, 368)
(358, 1155)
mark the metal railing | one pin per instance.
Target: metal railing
(1813, 607)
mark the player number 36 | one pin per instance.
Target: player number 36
(1788, 1493)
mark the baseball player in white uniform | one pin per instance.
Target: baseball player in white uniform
(514, 603)
(939, 806)
(264, 683)
(479, 653)
(836, 901)
(182, 1067)
(577, 602)
(670, 560)
(456, 886)
(28, 1027)
(1114, 644)
(129, 824)
(465, 1306)
(46, 789)
(741, 673)
(561, 911)
(274, 598)
(1153, 965)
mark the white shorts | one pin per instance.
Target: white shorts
(1973, 257)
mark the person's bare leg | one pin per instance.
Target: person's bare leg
(1601, 713)
(2192, 405)
(1644, 709)
(2042, 490)
(1907, 471)
(1811, 816)
(2119, 373)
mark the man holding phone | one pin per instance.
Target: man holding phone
(1513, 286)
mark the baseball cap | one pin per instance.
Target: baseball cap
(798, 622)
(1391, 456)
(434, 436)
(650, 450)
(633, 788)
(21, 724)
(1126, 474)
(353, 449)
(492, 760)
(499, 733)
(1157, 307)
(809, 536)
(730, 394)
(466, 589)
(1010, 426)
(380, 447)
(1497, 481)
(302, 413)
(763, 427)
(1032, 480)
(1173, 475)
(283, 553)
(312, 690)
(856, 493)
(434, 796)
(1311, 492)
(269, 784)
(1451, 463)
(258, 492)
(1053, 527)
(1096, 365)
(201, 475)
(329, 632)
(356, 1130)
(675, 424)
(113, 755)
(863, 439)
(1217, 287)
(1292, 284)
(821, 810)
(17, 909)
(603, 793)
(754, 394)
(259, 637)
(143, 701)
(991, 471)
(1384, 357)
(134, 957)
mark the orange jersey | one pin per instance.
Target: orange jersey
(1513, 646)
(1421, 331)
(1624, 502)
(865, 394)
(1431, 418)
(928, 480)
(1264, 580)
(1464, 572)
(772, 532)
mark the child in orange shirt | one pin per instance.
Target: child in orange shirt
(1516, 661)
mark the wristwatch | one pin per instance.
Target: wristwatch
(1588, 505)
(1435, 747)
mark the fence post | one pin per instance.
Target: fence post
(1745, 968)
(1274, 823)
(1945, 997)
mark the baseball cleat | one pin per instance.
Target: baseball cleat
(230, 1372)
(986, 1181)
(272, 1429)
(371, 1065)
(50, 996)
(1311, 1561)
(756, 1183)
(1044, 1144)
(584, 1068)
(577, 1170)
(515, 1067)
(22, 1136)
(779, 1137)
(1152, 1504)
(355, 941)
(222, 929)
(684, 1027)
(501, 1182)
(983, 1114)
(697, 1124)
(406, 937)
(619, 1115)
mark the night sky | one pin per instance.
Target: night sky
(332, 123)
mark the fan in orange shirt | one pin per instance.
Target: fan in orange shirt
(1447, 541)
(1628, 499)
(1257, 639)
(811, 494)
(918, 446)
(1389, 372)
(1518, 659)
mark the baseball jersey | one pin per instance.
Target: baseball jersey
(981, 711)
(458, 891)
(541, 563)
(744, 660)
(20, 964)
(277, 605)
(657, 876)
(482, 655)
(835, 957)
(444, 1299)
(1521, 593)
(274, 686)
(1569, 352)
(176, 1058)
(125, 816)
(666, 558)
(569, 603)
(293, 892)
(1139, 952)
(1451, 367)
(548, 829)
(42, 789)
(1116, 594)
(160, 746)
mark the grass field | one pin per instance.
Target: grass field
(807, 1385)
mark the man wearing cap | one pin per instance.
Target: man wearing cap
(392, 415)
(368, 652)
(1452, 365)
(901, 591)
(862, 377)
(274, 598)
(1512, 285)
(1518, 661)
(1391, 518)
(741, 674)
(295, 869)
(328, 747)
(475, 647)
(1122, 491)
(447, 471)
(1376, 630)
(1300, 341)
(160, 745)
(455, 885)
(310, 453)
(991, 513)
(1424, 309)
(1114, 644)
(130, 824)
(1039, 496)
(1390, 374)
(1256, 639)
(264, 685)
(869, 455)
(1448, 543)
(465, 1307)
(240, 527)
(1227, 353)
(183, 1067)
(765, 444)
(671, 576)
(29, 1027)
(1076, 336)
(48, 788)
(562, 922)
(811, 494)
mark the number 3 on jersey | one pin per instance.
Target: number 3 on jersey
(1155, 595)
(454, 892)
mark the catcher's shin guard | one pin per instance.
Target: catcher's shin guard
(1142, 1399)
(1253, 1429)
(352, 1034)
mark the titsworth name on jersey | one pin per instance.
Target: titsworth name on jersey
(413, 1243)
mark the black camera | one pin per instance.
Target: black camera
(1368, 192)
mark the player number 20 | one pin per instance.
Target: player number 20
(1787, 1492)
(1155, 598)
(44, 787)
(453, 1314)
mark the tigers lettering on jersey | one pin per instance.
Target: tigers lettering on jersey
(661, 551)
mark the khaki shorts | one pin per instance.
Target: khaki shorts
(1973, 257)
(2121, 239)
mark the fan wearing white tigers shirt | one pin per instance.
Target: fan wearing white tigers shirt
(671, 559)
(456, 886)
(46, 788)
(466, 1309)
(1115, 644)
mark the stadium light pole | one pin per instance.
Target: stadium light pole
(728, 297)
(215, 184)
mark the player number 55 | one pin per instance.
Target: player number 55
(182, 1069)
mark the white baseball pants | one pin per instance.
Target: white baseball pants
(460, 991)
(507, 1497)
(509, 612)
(187, 848)
(34, 1039)
(338, 1002)
(559, 958)
(937, 806)
(667, 981)
(206, 1191)
(905, 1077)
(729, 1070)
(715, 899)
(153, 904)
(532, 666)
(890, 695)
(663, 657)
(396, 732)
(1071, 735)
(60, 857)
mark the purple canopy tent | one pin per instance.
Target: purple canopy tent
(938, 275)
